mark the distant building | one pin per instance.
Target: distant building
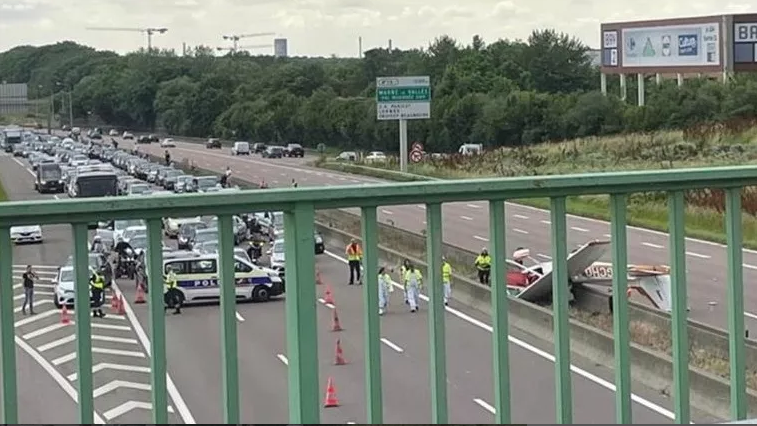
(280, 48)
(14, 98)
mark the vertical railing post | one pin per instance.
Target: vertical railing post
(154, 257)
(227, 281)
(437, 341)
(301, 318)
(500, 300)
(736, 344)
(563, 388)
(676, 227)
(618, 241)
(373, 391)
(83, 323)
(7, 329)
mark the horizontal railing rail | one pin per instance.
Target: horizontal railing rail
(299, 206)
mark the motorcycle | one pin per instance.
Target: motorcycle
(127, 266)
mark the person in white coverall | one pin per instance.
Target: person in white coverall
(446, 280)
(384, 288)
(414, 281)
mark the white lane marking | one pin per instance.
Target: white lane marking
(34, 318)
(546, 355)
(485, 405)
(37, 303)
(115, 384)
(110, 327)
(115, 339)
(575, 228)
(421, 206)
(173, 391)
(50, 370)
(328, 305)
(520, 216)
(392, 345)
(607, 236)
(36, 293)
(105, 351)
(701, 256)
(240, 318)
(544, 256)
(389, 212)
(128, 406)
(56, 343)
(283, 359)
(19, 162)
(17, 286)
(486, 240)
(466, 218)
(56, 197)
(43, 331)
(520, 231)
(109, 366)
(750, 315)
(748, 266)
(657, 246)
(23, 267)
(473, 206)
(546, 222)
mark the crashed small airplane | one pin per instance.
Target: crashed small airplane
(533, 281)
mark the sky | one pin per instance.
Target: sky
(324, 27)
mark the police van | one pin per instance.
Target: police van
(197, 276)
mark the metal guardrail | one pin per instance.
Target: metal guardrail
(299, 206)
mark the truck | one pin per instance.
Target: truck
(11, 136)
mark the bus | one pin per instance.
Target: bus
(94, 184)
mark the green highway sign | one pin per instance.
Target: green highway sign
(403, 98)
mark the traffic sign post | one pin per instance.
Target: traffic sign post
(403, 98)
(416, 156)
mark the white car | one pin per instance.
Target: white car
(113, 132)
(133, 231)
(127, 135)
(375, 157)
(64, 287)
(277, 255)
(168, 143)
(26, 234)
(240, 148)
(171, 225)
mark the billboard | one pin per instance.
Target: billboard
(745, 42)
(671, 46)
(280, 47)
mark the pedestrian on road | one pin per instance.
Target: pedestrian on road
(446, 280)
(354, 255)
(97, 284)
(173, 295)
(484, 266)
(414, 283)
(294, 183)
(168, 158)
(403, 274)
(384, 287)
(29, 277)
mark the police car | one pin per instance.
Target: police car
(197, 276)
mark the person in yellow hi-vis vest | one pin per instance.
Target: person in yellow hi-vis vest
(403, 272)
(414, 281)
(446, 280)
(354, 254)
(172, 296)
(97, 286)
(484, 266)
(385, 287)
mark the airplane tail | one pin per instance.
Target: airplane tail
(653, 282)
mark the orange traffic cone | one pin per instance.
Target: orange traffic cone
(335, 326)
(327, 296)
(338, 354)
(64, 319)
(140, 295)
(121, 309)
(331, 399)
(318, 280)
(114, 303)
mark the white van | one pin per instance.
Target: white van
(240, 148)
(471, 149)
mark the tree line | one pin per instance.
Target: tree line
(507, 93)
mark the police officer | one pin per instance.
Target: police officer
(484, 265)
(173, 295)
(354, 255)
(446, 280)
(414, 281)
(97, 285)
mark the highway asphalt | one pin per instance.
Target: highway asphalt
(466, 226)
(194, 356)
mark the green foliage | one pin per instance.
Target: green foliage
(507, 93)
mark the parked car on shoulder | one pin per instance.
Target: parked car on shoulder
(213, 143)
(273, 151)
(294, 150)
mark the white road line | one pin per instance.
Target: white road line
(607, 236)
(546, 222)
(283, 359)
(50, 370)
(115, 384)
(56, 343)
(37, 303)
(544, 256)
(173, 391)
(701, 256)
(387, 212)
(575, 228)
(486, 240)
(43, 331)
(520, 216)
(115, 339)
(485, 405)
(750, 315)
(520, 231)
(31, 319)
(748, 266)
(107, 351)
(36, 293)
(56, 197)
(109, 366)
(111, 327)
(240, 318)
(64, 358)
(392, 345)
(421, 206)
(17, 286)
(466, 218)
(473, 206)
(328, 305)
(543, 354)
(128, 406)
(657, 246)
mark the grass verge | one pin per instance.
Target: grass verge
(700, 223)
(3, 195)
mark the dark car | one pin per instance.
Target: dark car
(294, 150)
(258, 148)
(144, 139)
(49, 178)
(97, 136)
(154, 138)
(273, 152)
(213, 143)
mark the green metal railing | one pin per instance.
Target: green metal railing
(299, 206)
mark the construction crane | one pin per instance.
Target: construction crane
(148, 31)
(250, 47)
(236, 37)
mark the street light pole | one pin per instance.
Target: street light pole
(50, 113)
(70, 108)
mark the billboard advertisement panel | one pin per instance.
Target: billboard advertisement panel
(689, 45)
